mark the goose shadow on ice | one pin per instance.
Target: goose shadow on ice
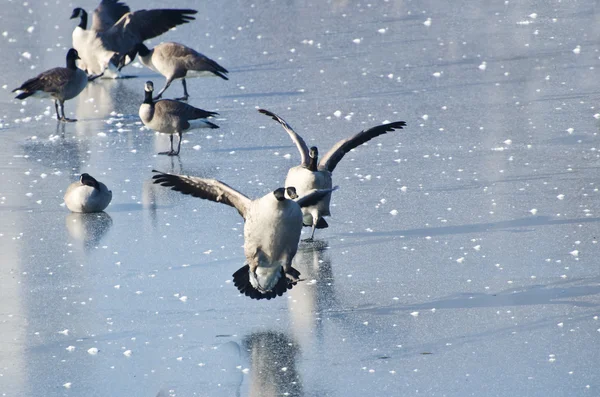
(269, 352)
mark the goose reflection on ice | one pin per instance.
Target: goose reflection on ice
(314, 295)
(88, 228)
(273, 365)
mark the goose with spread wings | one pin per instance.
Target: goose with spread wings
(313, 174)
(116, 30)
(272, 226)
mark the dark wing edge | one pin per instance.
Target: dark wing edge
(330, 160)
(297, 139)
(107, 14)
(208, 189)
(314, 197)
(241, 279)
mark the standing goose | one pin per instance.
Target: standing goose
(313, 174)
(272, 226)
(116, 30)
(87, 195)
(176, 61)
(172, 117)
(59, 84)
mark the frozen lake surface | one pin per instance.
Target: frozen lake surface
(461, 257)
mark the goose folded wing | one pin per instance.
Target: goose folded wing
(52, 80)
(135, 27)
(107, 14)
(183, 110)
(208, 189)
(337, 152)
(297, 139)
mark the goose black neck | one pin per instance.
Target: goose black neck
(312, 164)
(71, 62)
(83, 20)
(148, 98)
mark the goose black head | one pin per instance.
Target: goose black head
(149, 86)
(88, 180)
(313, 155)
(279, 194)
(72, 56)
(291, 192)
(77, 12)
(141, 49)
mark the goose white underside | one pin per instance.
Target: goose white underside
(197, 124)
(197, 73)
(111, 72)
(266, 277)
(42, 95)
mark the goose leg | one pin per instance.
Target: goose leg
(178, 145)
(94, 77)
(63, 118)
(185, 93)
(170, 152)
(167, 84)
(58, 118)
(312, 235)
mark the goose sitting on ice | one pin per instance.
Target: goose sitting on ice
(272, 226)
(313, 174)
(172, 117)
(87, 195)
(59, 84)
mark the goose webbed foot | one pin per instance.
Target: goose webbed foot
(94, 77)
(308, 240)
(66, 120)
(170, 153)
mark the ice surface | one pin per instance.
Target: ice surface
(455, 248)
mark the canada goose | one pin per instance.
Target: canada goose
(314, 174)
(87, 195)
(272, 226)
(172, 117)
(176, 61)
(59, 84)
(116, 30)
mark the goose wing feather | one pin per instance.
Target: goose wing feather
(330, 160)
(297, 139)
(107, 14)
(208, 189)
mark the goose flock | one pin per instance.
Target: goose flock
(273, 222)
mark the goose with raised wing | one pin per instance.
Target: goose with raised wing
(272, 227)
(59, 84)
(178, 62)
(87, 195)
(172, 117)
(117, 30)
(313, 174)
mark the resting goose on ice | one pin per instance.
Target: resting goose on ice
(272, 226)
(87, 195)
(59, 84)
(313, 174)
(172, 117)
(116, 30)
(176, 61)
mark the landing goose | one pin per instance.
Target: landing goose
(172, 117)
(176, 61)
(272, 226)
(58, 84)
(116, 30)
(313, 174)
(87, 195)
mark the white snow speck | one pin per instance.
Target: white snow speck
(533, 15)
(183, 298)
(127, 353)
(356, 41)
(560, 324)
(560, 197)
(414, 314)
(483, 65)
(403, 189)
(574, 253)
(394, 212)
(577, 50)
(570, 130)
(246, 370)
(70, 348)
(382, 30)
(67, 385)
(197, 147)
(93, 351)
(461, 259)
(427, 22)
(30, 29)
(26, 55)
(533, 211)
(337, 113)
(425, 116)
(64, 332)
